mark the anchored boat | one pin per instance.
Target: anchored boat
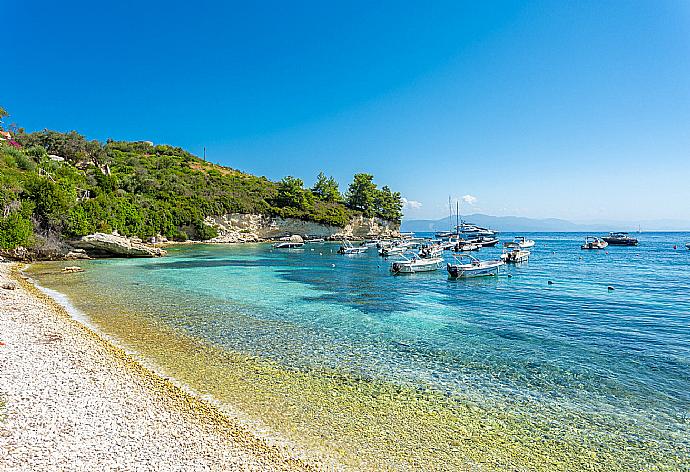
(620, 239)
(514, 253)
(348, 248)
(522, 241)
(592, 242)
(410, 266)
(473, 267)
(289, 242)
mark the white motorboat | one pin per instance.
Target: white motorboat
(687, 246)
(473, 267)
(464, 246)
(348, 248)
(483, 241)
(470, 229)
(514, 253)
(288, 245)
(416, 264)
(592, 242)
(428, 252)
(393, 250)
(522, 241)
(292, 242)
(314, 240)
(368, 243)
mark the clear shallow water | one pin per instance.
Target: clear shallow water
(592, 370)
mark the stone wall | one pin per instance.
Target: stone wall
(238, 227)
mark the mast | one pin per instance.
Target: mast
(457, 218)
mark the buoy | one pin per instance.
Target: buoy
(675, 247)
(550, 283)
(610, 288)
(607, 252)
(321, 254)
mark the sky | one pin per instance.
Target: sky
(576, 110)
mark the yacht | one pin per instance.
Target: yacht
(620, 239)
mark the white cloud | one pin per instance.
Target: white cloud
(469, 199)
(411, 204)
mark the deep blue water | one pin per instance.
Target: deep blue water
(513, 340)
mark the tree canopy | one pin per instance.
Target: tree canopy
(144, 190)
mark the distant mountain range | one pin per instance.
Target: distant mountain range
(522, 224)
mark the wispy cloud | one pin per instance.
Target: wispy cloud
(469, 199)
(411, 204)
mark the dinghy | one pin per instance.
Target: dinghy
(469, 266)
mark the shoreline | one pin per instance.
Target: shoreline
(171, 414)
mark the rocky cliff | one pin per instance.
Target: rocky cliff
(237, 227)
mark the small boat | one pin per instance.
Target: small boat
(464, 246)
(392, 250)
(514, 253)
(620, 239)
(428, 252)
(687, 246)
(288, 245)
(410, 266)
(348, 248)
(592, 242)
(473, 267)
(368, 243)
(314, 240)
(522, 242)
(483, 241)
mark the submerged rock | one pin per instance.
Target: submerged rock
(108, 245)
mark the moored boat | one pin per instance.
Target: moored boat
(514, 253)
(483, 241)
(620, 239)
(416, 264)
(522, 242)
(289, 242)
(592, 242)
(473, 267)
(348, 248)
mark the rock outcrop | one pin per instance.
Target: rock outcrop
(238, 227)
(112, 245)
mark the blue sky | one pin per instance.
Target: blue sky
(578, 110)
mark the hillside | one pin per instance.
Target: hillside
(55, 186)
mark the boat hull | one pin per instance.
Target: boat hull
(466, 271)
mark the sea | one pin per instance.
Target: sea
(575, 360)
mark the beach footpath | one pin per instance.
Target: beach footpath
(71, 401)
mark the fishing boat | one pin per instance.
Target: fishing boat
(514, 253)
(592, 242)
(348, 248)
(416, 264)
(620, 239)
(469, 266)
(522, 242)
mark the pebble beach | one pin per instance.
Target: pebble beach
(71, 401)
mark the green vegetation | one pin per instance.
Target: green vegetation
(144, 190)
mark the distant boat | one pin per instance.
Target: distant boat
(620, 239)
(288, 245)
(687, 246)
(314, 240)
(470, 229)
(348, 248)
(514, 253)
(289, 242)
(522, 242)
(410, 266)
(473, 267)
(464, 246)
(592, 242)
(431, 251)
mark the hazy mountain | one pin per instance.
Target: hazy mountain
(522, 224)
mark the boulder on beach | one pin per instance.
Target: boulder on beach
(109, 245)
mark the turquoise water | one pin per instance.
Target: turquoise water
(611, 362)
